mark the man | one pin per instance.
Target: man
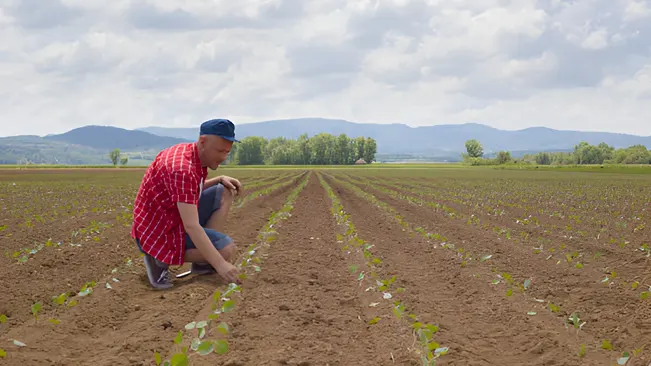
(178, 215)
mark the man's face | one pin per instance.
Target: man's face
(215, 150)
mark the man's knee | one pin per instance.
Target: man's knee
(226, 196)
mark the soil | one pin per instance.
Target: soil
(123, 325)
(306, 307)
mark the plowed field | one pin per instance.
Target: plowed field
(340, 267)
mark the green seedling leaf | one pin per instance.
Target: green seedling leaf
(19, 343)
(644, 295)
(3, 353)
(108, 286)
(353, 268)
(582, 350)
(223, 328)
(202, 324)
(195, 344)
(509, 292)
(624, 359)
(191, 325)
(3, 318)
(54, 321)
(206, 348)
(179, 359)
(374, 321)
(228, 306)
(486, 257)
(61, 299)
(527, 283)
(221, 347)
(35, 309)
(531, 313)
(202, 333)
(157, 358)
(179, 337)
(605, 344)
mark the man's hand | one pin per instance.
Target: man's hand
(231, 183)
(228, 272)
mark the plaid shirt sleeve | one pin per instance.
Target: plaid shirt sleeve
(184, 187)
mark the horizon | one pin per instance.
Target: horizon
(331, 119)
(511, 65)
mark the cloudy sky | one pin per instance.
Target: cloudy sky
(566, 64)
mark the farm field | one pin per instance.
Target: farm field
(341, 267)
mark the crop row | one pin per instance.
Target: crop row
(564, 254)
(565, 208)
(467, 257)
(223, 303)
(91, 231)
(369, 272)
(69, 299)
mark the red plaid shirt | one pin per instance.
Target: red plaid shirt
(176, 175)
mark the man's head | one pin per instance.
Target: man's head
(216, 138)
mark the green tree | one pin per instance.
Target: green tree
(251, 151)
(370, 149)
(474, 149)
(503, 157)
(124, 160)
(115, 156)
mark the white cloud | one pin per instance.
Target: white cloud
(511, 64)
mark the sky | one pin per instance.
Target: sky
(564, 64)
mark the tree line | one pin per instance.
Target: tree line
(320, 149)
(583, 153)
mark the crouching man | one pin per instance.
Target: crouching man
(178, 215)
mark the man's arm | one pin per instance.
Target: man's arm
(211, 182)
(190, 218)
(228, 182)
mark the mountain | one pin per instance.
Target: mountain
(448, 140)
(109, 138)
(84, 145)
(92, 144)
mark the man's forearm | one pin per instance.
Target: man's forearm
(211, 182)
(208, 251)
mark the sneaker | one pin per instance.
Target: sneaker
(202, 268)
(158, 273)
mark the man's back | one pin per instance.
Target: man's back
(176, 175)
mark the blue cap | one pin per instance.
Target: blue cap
(219, 127)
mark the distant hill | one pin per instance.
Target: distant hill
(109, 138)
(84, 145)
(92, 144)
(439, 140)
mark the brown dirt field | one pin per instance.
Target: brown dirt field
(304, 308)
(614, 313)
(628, 264)
(478, 322)
(126, 324)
